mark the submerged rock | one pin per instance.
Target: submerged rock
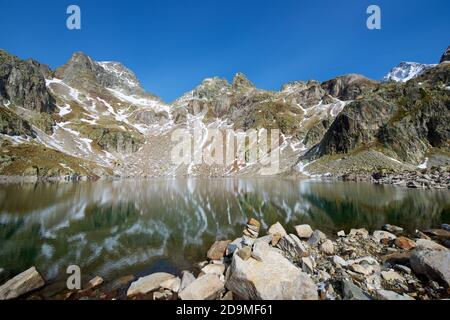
(273, 278)
(207, 287)
(21, 284)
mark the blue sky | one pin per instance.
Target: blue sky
(173, 45)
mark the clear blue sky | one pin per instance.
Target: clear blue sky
(173, 45)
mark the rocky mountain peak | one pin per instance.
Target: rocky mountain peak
(240, 82)
(406, 71)
(446, 56)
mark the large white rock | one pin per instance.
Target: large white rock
(21, 284)
(383, 235)
(304, 231)
(149, 283)
(272, 278)
(214, 269)
(424, 244)
(207, 287)
(277, 228)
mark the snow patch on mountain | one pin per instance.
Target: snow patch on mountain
(406, 71)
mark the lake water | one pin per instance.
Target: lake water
(117, 228)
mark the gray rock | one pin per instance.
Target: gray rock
(217, 269)
(352, 292)
(446, 226)
(172, 284)
(21, 284)
(316, 238)
(148, 284)
(233, 246)
(327, 247)
(292, 246)
(308, 265)
(358, 232)
(207, 287)
(186, 279)
(392, 229)
(424, 244)
(433, 264)
(338, 261)
(273, 278)
(391, 295)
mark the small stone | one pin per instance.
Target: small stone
(403, 269)
(419, 234)
(208, 287)
(445, 226)
(233, 246)
(247, 241)
(405, 243)
(423, 244)
(250, 233)
(341, 234)
(245, 253)
(308, 265)
(148, 284)
(95, 282)
(172, 284)
(316, 238)
(304, 231)
(217, 250)
(21, 284)
(254, 222)
(392, 276)
(327, 247)
(362, 269)
(186, 279)
(358, 232)
(339, 262)
(277, 229)
(392, 229)
(391, 295)
(383, 235)
(214, 269)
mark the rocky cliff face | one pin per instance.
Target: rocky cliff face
(446, 56)
(98, 113)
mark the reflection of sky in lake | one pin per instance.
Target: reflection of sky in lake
(120, 227)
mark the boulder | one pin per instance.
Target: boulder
(327, 247)
(405, 243)
(214, 269)
(172, 284)
(316, 238)
(217, 250)
(391, 295)
(423, 244)
(149, 283)
(351, 292)
(277, 229)
(383, 235)
(186, 279)
(21, 284)
(433, 264)
(273, 278)
(440, 233)
(304, 231)
(207, 287)
(292, 246)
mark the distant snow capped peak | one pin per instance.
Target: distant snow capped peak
(406, 71)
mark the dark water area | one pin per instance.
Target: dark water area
(117, 228)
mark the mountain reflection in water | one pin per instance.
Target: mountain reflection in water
(116, 228)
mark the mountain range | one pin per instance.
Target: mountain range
(89, 119)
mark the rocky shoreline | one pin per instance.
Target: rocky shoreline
(433, 178)
(273, 264)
